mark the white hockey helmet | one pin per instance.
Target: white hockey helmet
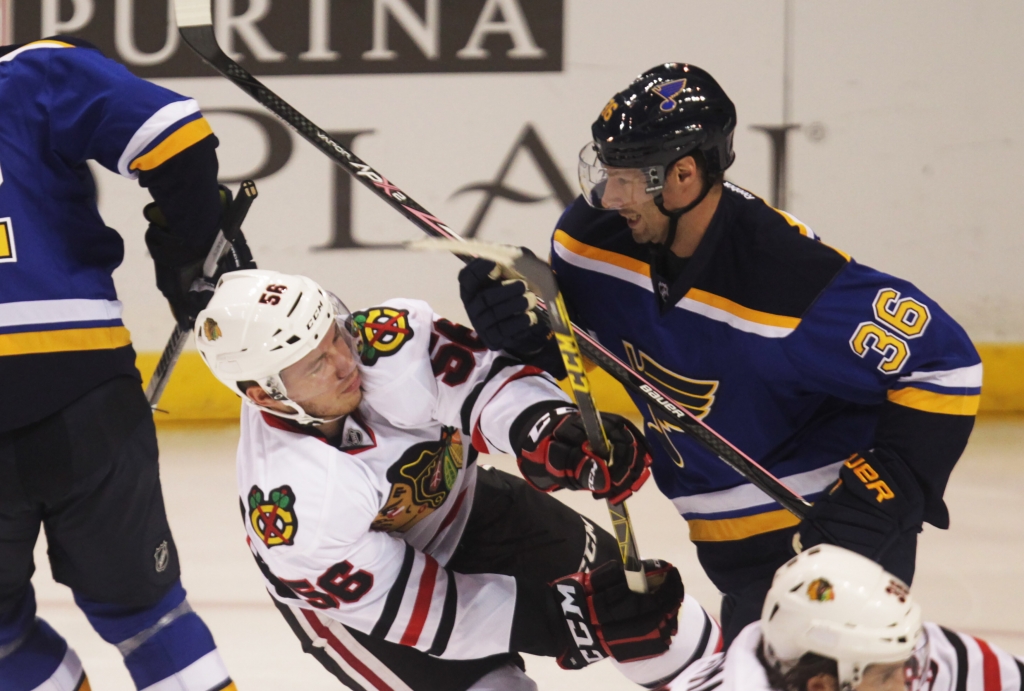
(260, 322)
(837, 604)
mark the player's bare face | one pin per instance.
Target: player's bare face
(625, 192)
(326, 381)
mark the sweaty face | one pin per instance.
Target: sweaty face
(624, 192)
(326, 381)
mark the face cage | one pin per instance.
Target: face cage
(616, 188)
(274, 385)
(916, 674)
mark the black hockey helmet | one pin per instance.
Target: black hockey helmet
(668, 112)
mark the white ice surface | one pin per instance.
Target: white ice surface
(968, 578)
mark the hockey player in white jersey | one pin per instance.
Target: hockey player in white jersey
(836, 621)
(397, 561)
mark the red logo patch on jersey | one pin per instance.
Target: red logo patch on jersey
(273, 518)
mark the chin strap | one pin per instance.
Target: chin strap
(674, 216)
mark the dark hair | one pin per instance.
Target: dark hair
(244, 386)
(702, 167)
(807, 667)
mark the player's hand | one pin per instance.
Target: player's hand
(179, 267)
(603, 617)
(501, 311)
(875, 501)
(553, 452)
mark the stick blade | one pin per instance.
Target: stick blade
(192, 13)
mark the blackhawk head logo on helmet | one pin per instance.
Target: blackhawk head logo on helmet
(211, 331)
(820, 590)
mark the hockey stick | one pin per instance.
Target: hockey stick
(518, 264)
(195, 24)
(233, 217)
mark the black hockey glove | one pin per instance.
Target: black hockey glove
(604, 618)
(553, 453)
(874, 503)
(179, 267)
(502, 314)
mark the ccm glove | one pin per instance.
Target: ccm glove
(179, 266)
(553, 453)
(604, 618)
(874, 503)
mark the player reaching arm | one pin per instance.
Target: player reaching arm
(77, 444)
(368, 514)
(818, 367)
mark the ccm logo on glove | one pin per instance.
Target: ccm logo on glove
(586, 646)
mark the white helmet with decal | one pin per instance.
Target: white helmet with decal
(260, 322)
(837, 604)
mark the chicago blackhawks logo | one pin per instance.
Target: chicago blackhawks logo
(820, 590)
(273, 519)
(381, 331)
(421, 481)
(211, 330)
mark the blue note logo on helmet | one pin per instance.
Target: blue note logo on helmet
(669, 91)
(668, 112)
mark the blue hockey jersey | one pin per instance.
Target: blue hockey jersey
(61, 332)
(788, 348)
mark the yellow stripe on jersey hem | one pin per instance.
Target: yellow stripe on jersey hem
(64, 340)
(591, 252)
(730, 529)
(184, 137)
(737, 310)
(931, 402)
(56, 44)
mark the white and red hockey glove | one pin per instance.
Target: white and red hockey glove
(604, 618)
(553, 453)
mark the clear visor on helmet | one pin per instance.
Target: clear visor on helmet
(911, 675)
(616, 188)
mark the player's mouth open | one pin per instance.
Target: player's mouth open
(631, 218)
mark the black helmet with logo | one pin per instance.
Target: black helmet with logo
(668, 112)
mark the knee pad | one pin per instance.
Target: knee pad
(166, 642)
(34, 656)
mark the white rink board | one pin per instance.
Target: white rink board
(921, 106)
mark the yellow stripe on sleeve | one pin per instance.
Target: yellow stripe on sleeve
(729, 529)
(591, 252)
(737, 310)
(184, 137)
(64, 340)
(931, 402)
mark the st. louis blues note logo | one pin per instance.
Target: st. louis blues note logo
(670, 91)
(696, 395)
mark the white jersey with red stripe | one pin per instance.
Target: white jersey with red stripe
(360, 529)
(957, 662)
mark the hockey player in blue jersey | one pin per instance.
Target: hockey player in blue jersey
(78, 449)
(849, 384)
